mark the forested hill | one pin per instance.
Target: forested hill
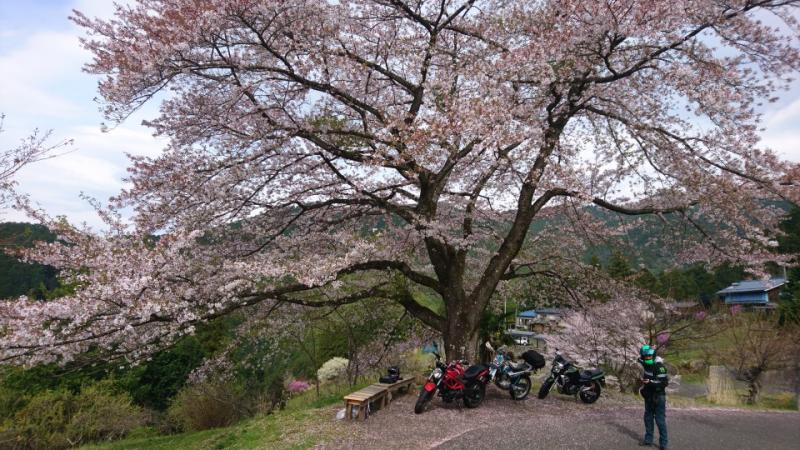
(642, 245)
(18, 278)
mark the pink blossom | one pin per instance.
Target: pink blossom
(298, 386)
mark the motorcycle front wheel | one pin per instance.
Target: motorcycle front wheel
(521, 388)
(590, 394)
(545, 389)
(473, 395)
(422, 400)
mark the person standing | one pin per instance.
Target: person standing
(655, 380)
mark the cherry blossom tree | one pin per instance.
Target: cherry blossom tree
(759, 344)
(607, 331)
(320, 150)
(32, 149)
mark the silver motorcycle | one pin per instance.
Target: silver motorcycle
(507, 375)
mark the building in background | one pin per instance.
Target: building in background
(531, 326)
(759, 293)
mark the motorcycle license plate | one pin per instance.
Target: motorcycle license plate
(429, 386)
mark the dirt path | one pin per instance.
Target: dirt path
(560, 422)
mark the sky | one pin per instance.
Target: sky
(42, 86)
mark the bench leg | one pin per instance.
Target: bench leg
(362, 410)
(348, 411)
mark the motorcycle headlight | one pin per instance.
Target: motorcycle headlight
(558, 366)
(437, 373)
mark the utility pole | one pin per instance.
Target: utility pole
(797, 381)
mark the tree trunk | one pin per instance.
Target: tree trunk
(754, 388)
(461, 341)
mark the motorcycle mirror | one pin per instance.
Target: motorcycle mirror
(489, 346)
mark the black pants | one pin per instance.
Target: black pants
(656, 407)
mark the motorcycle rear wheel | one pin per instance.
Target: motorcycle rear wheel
(422, 400)
(545, 389)
(521, 388)
(590, 396)
(473, 395)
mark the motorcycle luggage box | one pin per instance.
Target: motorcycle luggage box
(534, 358)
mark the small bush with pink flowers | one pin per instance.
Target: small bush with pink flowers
(298, 386)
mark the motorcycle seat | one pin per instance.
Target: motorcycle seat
(473, 371)
(588, 374)
(518, 366)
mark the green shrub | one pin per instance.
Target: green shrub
(41, 424)
(101, 414)
(11, 401)
(155, 382)
(56, 419)
(205, 405)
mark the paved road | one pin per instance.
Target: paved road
(559, 422)
(690, 429)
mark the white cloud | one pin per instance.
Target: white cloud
(785, 143)
(45, 62)
(94, 8)
(96, 166)
(782, 126)
(42, 86)
(788, 115)
(132, 139)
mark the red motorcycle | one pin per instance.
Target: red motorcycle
(452, 382)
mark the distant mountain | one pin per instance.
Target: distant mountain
(647, 245)
(649, 242)
(18, 278)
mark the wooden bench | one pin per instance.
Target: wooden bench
(380, 393)
(404, 384)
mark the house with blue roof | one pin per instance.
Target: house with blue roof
(753, 292)
(531, 326)
(540, 320)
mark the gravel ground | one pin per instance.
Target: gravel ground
(561, 422)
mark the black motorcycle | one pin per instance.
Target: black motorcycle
(572, 380)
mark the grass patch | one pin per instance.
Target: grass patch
(305, 422)
(328, 395)
(684, 356)
(693, 378)
(779, 401)
(282, 430)
(429, 300)
(783, 400)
